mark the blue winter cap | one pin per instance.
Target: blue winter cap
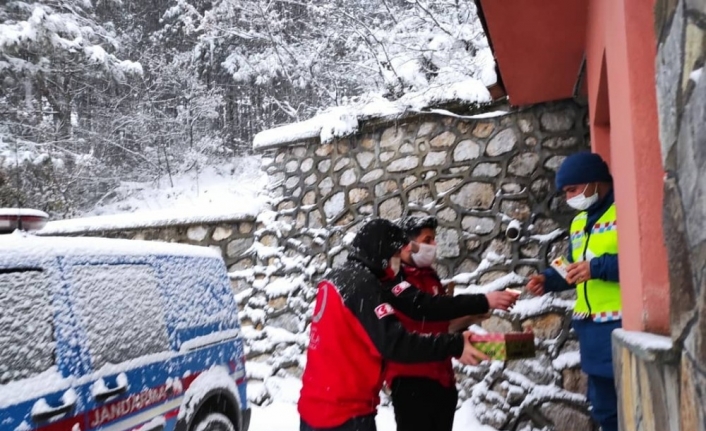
(582, 168)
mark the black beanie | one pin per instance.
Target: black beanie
(582, 168)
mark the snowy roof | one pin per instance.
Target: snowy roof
(22, 244)
(247, 210)
(22, 212)
(344, 121)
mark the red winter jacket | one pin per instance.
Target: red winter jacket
(426, 280)
(354, 330)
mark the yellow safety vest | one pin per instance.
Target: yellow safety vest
(596, 298)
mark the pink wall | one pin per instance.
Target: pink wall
(621, 52)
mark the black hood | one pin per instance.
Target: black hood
(376, 242)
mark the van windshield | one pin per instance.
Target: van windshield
(26, 329)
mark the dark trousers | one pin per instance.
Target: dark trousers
(604, 402)
(423, 404)
(362, 423)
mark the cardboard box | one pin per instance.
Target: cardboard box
(505, 347)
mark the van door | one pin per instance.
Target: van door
(120, 309)
(36, 392)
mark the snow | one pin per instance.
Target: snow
(342, 121)
(644, 340)
(36, 247)
(695, 75)
(230, 191)
(283, 416)
(539, 305)
(207, 340)
(22, 212)
(215, 378)
(511, 278)
(567, 360)
(551, 236)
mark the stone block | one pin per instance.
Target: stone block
(435, 158)
(391, 209)
(311, 179)
(358, 195)
(324, 150)
(334, 205)
(404, 164)
(483, 129)
(502, 143)
(497, 324)
(466, 150)
(487, 170)
(516, 209)
(447, 241)
(409, 181)
(372, 175)
(292, 182)
(385, 187)
(554, 162)
(558, 121)
(245, 227)
(547, 326)
(682, 293)
(445, 139)
(668, 76)
(309, 198)
(324, 165)
(478, 225)
(368, 143)
(392, 137)
(307, 165)
(420, 195)
(426, 128)
(523, 164)
(325, 186)
(341, 163)
(447, 214)
(291, 166)
(475, 195)
(348, 177)
(365, 159)
(197, 233)
(443, 186)
(566, 418)
(221, 232)
(238, 246)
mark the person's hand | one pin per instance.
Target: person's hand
(450, 287)
(535, 286)
(471, 355)
(502, 300)
(578, 272)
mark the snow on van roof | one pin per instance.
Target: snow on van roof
(158, 218)
(20, 243)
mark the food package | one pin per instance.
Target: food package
(505, 347)
(561, 265)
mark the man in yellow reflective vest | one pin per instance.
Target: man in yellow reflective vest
(585, 180)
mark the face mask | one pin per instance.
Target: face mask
(425, 256)
(395, 263)
(581, 202)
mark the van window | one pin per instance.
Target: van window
(121, 311)
(26, 328)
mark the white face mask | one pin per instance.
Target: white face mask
(581, 202)
(425, 256)
(395, 264)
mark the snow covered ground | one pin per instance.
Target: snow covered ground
(283, 416)
(216, 192)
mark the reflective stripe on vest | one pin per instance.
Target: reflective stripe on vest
(596, 298)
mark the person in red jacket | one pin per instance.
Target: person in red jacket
(354, 331)
(424, 395)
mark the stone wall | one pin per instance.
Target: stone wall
(681, 95)
(475, 175)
